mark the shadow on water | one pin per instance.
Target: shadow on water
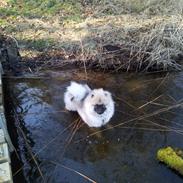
(123, 151)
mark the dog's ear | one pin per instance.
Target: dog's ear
(73, 83)
(87, 87)
(106, 93)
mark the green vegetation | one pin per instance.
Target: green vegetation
(39, 8)
(149, 34)
(38, 44)
(3, 22)
(171, 158)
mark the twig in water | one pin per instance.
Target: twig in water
(149, 102)
(181, 125)
(75, 128)
(75, 171)
(172, 98)
(147, 129)
(77, 125)
(30, 152)
(123, 100)
(44, 147)
(166, 127)
(157, 88)
(158, 104)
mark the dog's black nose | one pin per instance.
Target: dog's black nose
(99, 108)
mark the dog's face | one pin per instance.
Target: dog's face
(99, 102)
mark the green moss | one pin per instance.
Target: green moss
(169, 157)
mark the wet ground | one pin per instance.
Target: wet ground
(53, 148)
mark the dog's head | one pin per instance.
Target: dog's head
(99, 102)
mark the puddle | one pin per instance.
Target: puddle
(39, 126)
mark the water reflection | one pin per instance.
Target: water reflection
(126, 153)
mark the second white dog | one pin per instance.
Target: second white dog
(96, 107)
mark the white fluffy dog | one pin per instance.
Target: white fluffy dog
(96, 107)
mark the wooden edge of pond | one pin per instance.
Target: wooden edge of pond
(6, 145)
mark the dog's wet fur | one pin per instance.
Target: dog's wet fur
(96, 107)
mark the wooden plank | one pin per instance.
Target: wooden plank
(1, 109)
(1, 96)
(6, 134)
(2, 139)
(4, 154)
(5, 173)
(5, 169)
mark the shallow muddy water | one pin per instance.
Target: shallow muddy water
(124, 151)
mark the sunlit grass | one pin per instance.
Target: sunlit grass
(40, 8)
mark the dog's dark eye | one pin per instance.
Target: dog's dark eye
(106, 94)
(92, 95)
(72, 98)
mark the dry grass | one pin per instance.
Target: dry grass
(143, 35)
